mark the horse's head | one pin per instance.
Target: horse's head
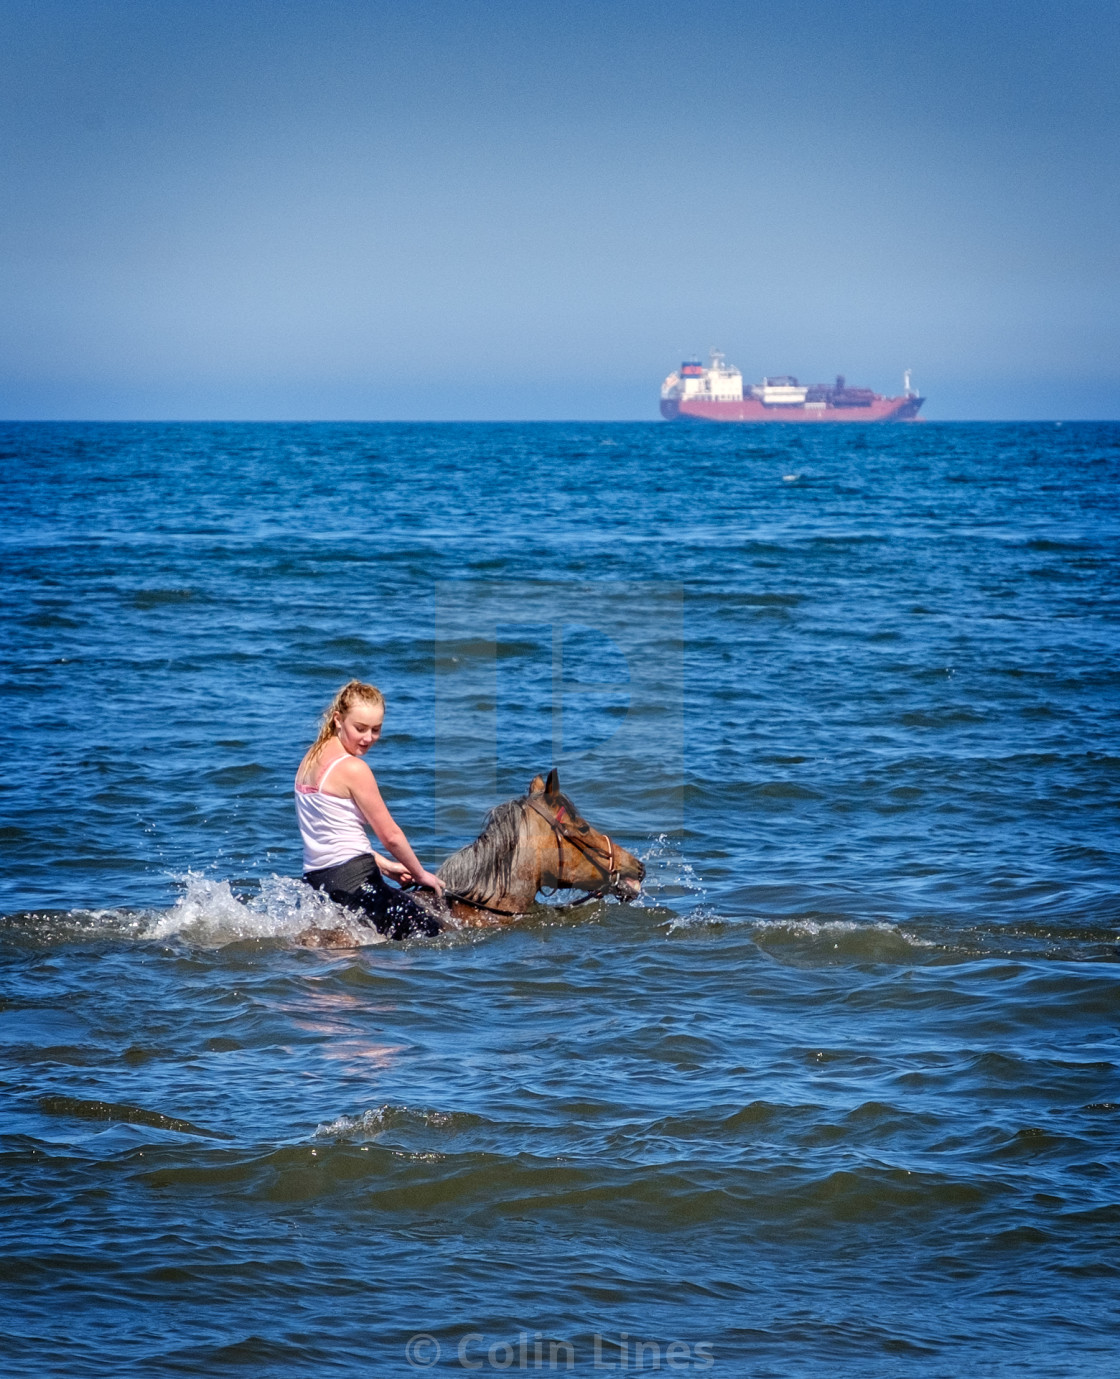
(580, 858)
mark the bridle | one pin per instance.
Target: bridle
(593, 854)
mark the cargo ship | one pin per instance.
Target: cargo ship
(716, 393)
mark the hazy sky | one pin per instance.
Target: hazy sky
(530, 209)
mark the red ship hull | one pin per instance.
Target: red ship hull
(750, 409)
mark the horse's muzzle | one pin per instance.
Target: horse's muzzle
(629, 885)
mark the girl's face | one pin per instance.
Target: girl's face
(359, 728)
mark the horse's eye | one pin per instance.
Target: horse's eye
(584, 828)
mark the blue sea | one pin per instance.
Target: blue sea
(838, 1095)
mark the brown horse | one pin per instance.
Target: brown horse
(536, 843)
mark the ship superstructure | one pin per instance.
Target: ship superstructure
(715, 392)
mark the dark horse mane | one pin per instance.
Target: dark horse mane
(484, 867)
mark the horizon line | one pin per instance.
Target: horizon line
(542, 421)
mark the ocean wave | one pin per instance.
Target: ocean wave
(83, 1108)
(837, 940)
(769, 1195)
(379, 1121)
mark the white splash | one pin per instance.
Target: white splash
(668, 873)
(377, 1120)
(670, 878)
(209, 914)
(842, 934)
(369, 1123)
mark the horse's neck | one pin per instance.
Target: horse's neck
(524, 872)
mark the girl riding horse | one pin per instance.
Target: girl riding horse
(336, 800)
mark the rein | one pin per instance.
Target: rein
(610, 873)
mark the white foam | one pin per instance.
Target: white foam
(379, 1119)
(354, 1127)
(697, 918)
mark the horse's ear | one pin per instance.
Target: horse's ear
(536, 785)
(552, 785)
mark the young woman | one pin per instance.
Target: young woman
(336, 799)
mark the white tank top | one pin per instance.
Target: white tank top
(333, 829)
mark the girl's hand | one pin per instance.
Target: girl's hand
(431, 881)
(389, 866)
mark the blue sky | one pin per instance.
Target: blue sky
(449, 209)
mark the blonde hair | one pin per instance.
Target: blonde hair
(353, 692)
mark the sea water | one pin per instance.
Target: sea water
(837, 1095)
